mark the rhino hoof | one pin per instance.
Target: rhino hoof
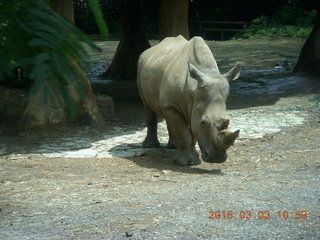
(171, 145)
(181, 162)
(151, 144)
(188, 157)
(195, 160)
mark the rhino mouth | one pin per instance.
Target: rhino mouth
(217, 157)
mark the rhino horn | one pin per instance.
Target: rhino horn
(226, 138)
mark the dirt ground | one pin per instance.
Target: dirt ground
(269, 188)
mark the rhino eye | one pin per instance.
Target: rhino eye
(204, 122)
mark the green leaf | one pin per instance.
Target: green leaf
(49, 48)
(94, 5)
(37, 42)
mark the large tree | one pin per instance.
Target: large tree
(132, 43)
(65, 8)
(309, 59)
(173, 18)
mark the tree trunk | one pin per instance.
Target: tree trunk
(44, 109)
(173, 18)
(132, 43)
(309, 59)
(64, 8)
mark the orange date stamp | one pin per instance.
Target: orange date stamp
(263, 214)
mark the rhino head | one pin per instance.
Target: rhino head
(208, 118)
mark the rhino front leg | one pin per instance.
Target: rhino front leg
(151, 140)
(172, 140)
(186, 153)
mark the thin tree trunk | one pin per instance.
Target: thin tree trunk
(173, 18)
(132, 43)
(309, 59)
(64, 8)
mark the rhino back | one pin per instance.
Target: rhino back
(163, 70)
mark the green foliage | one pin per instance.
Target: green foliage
(288, 22)
(99, 17)
(85, 19)
(269, 30)
(296, 16)
(46, 46)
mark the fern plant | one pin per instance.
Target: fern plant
(49, 49)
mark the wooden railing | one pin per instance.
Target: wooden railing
(220, 26)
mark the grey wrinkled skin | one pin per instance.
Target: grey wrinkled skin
(180, 80)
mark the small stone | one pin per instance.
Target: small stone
(166, 171)
(104, 155)
(53, 155)
(85, 145)
(69, 144)
(17, 157)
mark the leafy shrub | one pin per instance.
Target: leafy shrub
(288, 22)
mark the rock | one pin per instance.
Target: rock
(105, 105)
(166, 171)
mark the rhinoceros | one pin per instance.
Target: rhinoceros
(180, 80)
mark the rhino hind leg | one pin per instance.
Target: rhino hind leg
(186, 154)
(151, 140)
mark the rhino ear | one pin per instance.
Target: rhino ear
(234, 72)
(197, 74)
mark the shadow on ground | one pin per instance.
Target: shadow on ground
(162, 160)
(265, 90)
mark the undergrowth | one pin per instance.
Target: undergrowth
(288, 22)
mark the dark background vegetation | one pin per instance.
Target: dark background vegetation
(292, 18)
